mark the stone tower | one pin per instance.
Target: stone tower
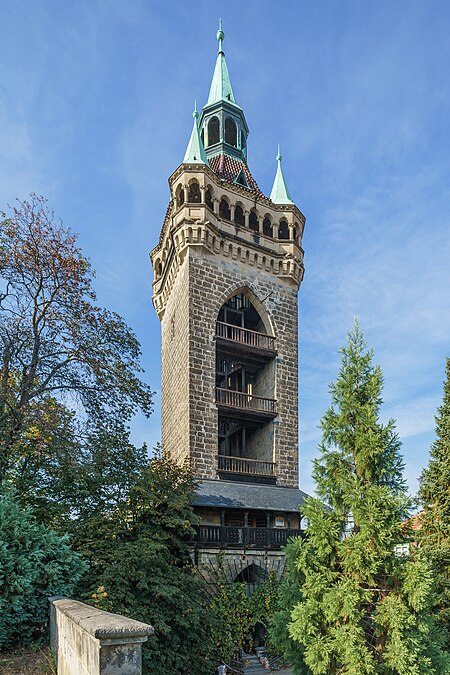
(227, 270)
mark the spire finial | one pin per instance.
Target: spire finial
(280, 193)
(195, 151)
(220, 35)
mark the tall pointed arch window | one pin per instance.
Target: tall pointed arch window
(213, 131)
(230, 132)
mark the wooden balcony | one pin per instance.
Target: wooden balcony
(245, 466)
(234, 337)
(245, 405)
(255, 537)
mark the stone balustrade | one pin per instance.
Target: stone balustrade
(88, 641)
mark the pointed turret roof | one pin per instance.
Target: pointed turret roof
(221, 89)
(195, 151)
(280, 193)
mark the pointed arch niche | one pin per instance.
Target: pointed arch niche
(245, 389)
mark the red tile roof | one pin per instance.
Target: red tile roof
(228, 169)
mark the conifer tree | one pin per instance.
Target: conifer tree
(362, 609)
(434, 532)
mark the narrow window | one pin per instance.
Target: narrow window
(208, 199)
(283, 230)
(253, 221)
(239, 218)
(224, 210)
(230, 132)
(213, 131)
(180, 196)
(267, 227)
(194, 196)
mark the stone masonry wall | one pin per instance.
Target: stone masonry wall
(175, 369)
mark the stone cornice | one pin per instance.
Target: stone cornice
(282, 259)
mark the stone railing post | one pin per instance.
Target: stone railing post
(87, 640)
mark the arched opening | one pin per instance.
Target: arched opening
(230, 132)
(283, 230)
(158, 268)
(243, 141)
(297, 234)
(194, 195)
(224, 210)
(252, 576)
(267, 227)
(239, 311)
(253, 221)
(245, 383)
(239, 217)
(180, 196)
(202, 135)
(213, 131)
(208, 199)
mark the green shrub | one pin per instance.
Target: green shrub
(35, 563)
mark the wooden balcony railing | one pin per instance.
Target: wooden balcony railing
(217, 535)
(244, 465)
(244, 336)
(244, 401)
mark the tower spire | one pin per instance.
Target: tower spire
(195, 151)
(280, 193)
(221, 89)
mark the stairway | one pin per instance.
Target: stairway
(254, 667)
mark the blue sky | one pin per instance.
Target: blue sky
(95, 113)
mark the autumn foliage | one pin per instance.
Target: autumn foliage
(58, 347)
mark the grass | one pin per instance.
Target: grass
(32, 661)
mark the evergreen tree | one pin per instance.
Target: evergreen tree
(35, 563)
(434, 533)
(362, 609)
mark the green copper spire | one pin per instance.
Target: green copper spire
(195, 151)
(280, 193)
(221, 89)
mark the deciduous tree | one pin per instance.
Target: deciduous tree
(56, 344)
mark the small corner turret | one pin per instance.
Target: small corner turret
(280, 193)
(195, 152)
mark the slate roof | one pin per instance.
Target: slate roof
(228, 169)
(233, 495)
